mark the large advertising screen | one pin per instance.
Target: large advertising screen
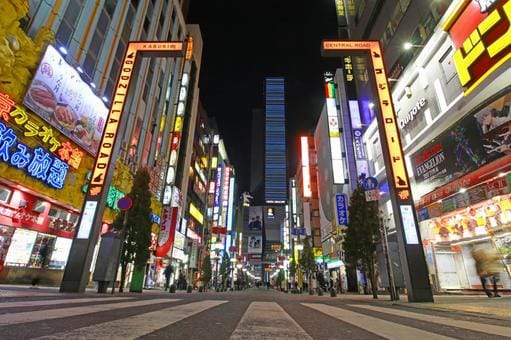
(475, 140)
(255, 219)
(255, 244)
(60, 96)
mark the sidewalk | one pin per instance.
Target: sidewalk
(467, 304)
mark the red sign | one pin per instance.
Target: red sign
(219, 230)
(124, 203)
(167, 232)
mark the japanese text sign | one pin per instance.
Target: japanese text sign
(342, 209)
(481, 32)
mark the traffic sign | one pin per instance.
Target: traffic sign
(124, 203)
(370, 183)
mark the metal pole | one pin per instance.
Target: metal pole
(388, 263)
(123, 231)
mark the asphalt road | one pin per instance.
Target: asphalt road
(251, 314)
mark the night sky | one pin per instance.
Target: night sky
(245, 41)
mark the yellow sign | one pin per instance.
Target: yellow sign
(318, 252)
(114, 117)
(196, 213)
(276, 247)
(397, 160)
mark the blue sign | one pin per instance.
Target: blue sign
(155, 218)
(423, 214)
(38, 163)
(298, 231)
(342, 209)
(124, 203)
(370, 183)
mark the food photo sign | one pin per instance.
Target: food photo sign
(60, 96)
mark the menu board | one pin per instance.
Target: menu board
(60, 96)
(21, 247)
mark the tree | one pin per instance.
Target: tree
(206, 271)
(225, 268)
(362, 235)
(137, 232)
(307, 261)
(292, 268)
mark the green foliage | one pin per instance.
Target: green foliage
(362, 233)
(307, 261)
(137, 236)
(225, 267)
(206, 270)
(280, 277)
(292, 268)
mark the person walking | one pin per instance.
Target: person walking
(167, 272)
(487, 266)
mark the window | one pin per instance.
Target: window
(5, 194)
(96, 43)
(39, 206)
(68, 23)
(110, 7)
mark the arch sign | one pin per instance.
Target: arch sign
(80, 257)
(411, 251)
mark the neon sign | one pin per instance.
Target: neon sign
(38, 163)
(305, 167)
(481, 30)
(66, 152)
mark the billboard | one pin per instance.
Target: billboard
(475, 140)
(255, 219)
(60, 96)
(255, 244)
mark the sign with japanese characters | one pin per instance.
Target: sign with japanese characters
(38, 163)
(480, 31)
(342, 209)
(60, 96)
(30, 127)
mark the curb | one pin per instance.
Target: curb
(466, 313)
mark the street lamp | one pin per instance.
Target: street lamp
(408, 45)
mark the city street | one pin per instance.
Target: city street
(250, 314)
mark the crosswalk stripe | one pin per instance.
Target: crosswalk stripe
(22, 317)
(478, 327)
(267, 320)
(58, 302)
(387, 329)
(139, 325)
(10, 293)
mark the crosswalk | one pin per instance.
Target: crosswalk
(132, 317)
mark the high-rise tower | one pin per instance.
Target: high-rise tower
(275, 166)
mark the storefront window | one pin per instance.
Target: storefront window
(21, 247)
(5, 194)
(60, 253)
(62, 220)
(42, 251)
(5, 241)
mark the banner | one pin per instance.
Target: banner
(255, 244)
(255, 219)
(60, 96)
(167, 232)
(472, 142)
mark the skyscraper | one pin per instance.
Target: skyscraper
(275, 167)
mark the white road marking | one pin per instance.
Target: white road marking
(138, 325)
(267, 320)
(22, 317)
(58, 302)
(441, 320)
(383, 328)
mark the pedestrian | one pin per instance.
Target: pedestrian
(167, 272)
(331, 283)
(487, 266)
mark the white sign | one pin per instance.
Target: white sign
(179, 241)
(87, 218)
(409, 224)
(412, 113)
(372, 195)
(193, 254)
(178, 254)
(21, 246)
(60, 96)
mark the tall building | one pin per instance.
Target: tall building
(76, 48)
(451, 115)
(257, 157)
(275, 164)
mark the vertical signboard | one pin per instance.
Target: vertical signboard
(333, 130)
(342, 209)
(76, 275)
(411, 252)
(306, 176)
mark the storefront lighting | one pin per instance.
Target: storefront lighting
(408, 45)
(105, 99)
(79, 69)
(239, 266)
(299, 247)
(63, 50)
(93, 85)
(462, 190)
(371, 105)
(502, 174)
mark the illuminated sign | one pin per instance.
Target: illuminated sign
(196, 213)
(348, 68)
(480, 32)
(333, 131)
(231, 203)
(341, 204)
(66, 152)
(305, 167)
(421, 103)
(38, 163)
(225, 190)
(216, 200)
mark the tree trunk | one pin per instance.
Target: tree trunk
(124, 267)
(372, 277)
